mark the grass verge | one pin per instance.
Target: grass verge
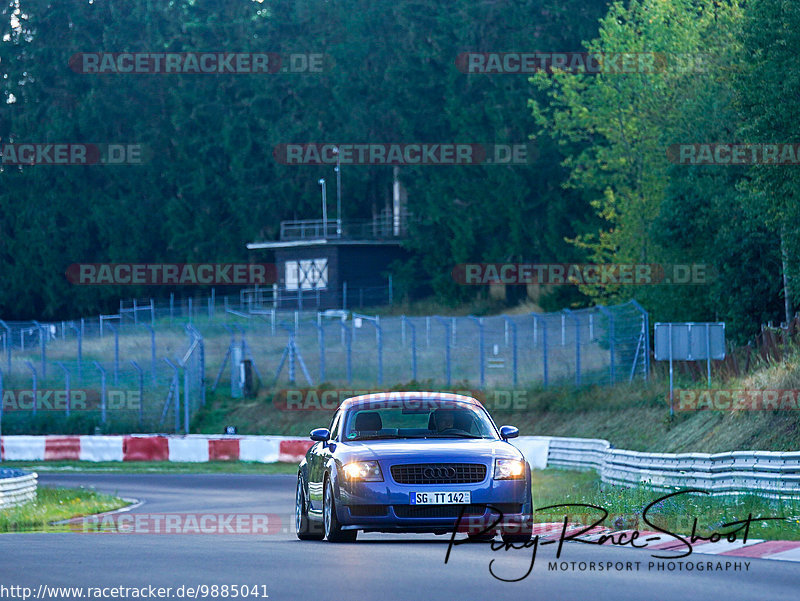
(53, 505)
(630, 416)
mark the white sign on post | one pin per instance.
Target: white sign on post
(689, 341)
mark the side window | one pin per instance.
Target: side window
(337, 419)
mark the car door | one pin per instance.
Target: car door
(320, 453)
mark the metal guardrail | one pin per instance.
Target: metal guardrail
(764, 473)
(16, 487)
(577, 453)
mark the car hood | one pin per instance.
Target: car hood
(427, 450)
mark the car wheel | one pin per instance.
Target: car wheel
(333, 529)
(305, 528)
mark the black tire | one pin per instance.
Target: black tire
(305, 528)
(331, 525)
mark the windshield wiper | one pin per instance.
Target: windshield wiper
(376, 437)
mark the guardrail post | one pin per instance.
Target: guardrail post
(513, 327)
(646, 331)
(428, 331)
(116, 354)
(152, 351)
(201, 348)
(577, 343)
(42, 346)
(102, 391)
(7, 342)
(380, 351)
(66, 385)
(611, 341)
(481, 350)
(348, 350)
(186, 407)
(536, 318)
(141, 391)
(413, 351)
(35, 382)
(321, 342)
(446, 325)
(79, 335)
(291, 348)
(176, 395)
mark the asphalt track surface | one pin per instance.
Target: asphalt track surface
(377, 567)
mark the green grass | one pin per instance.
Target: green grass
(625, 507)
(161, 467)
(53, 505)
(634, 417)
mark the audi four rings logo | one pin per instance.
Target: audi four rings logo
(439, 473)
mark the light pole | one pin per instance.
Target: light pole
(324, 211)
(338, 192)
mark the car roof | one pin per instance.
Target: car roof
(409, 395)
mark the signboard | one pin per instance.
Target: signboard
(690, 341)
(693, 341)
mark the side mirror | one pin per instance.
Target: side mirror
(509, 432)
(320, 434)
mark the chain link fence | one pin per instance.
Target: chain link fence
(148, 367)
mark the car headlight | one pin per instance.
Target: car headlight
(366, 471)
(508, 469)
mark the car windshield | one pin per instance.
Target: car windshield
(414, 418)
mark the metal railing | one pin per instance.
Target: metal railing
(16, 487)
(383, 227)
(764, 473)
(309, 229)
(144, 368)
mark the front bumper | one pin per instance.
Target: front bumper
(385, 507)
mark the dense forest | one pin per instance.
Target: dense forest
(599, 185)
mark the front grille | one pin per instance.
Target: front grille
(439, 473)
(368, 510)
(437, 511)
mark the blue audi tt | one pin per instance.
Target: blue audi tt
(413, 462)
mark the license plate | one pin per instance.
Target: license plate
(440, 498)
